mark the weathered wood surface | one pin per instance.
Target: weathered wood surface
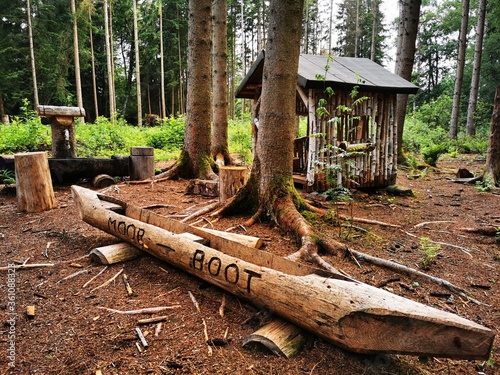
(231, 179)
(351, 314)
(33, 183)
(115, 253)
(53, 110)
(280, 337)
(142, 163)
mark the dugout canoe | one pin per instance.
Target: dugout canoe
(346, 312)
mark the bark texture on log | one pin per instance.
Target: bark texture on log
(33, 182)
(349, 313)
(231, 179)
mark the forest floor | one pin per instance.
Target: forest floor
(71, 334)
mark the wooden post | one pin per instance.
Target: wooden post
(33, 182)
(231, 179)
(142, 163)
(63, 129)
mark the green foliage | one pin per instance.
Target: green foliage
(432, 153)
(104, 139)
(169, 136)
(485, 185)
(240, 139)
(26, 136)
(7, 177)
(429, 251)
(418, 135)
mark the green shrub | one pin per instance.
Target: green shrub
(24, 136)
(240, 139)
(418, 135)
(104, 139)
(432, 153)
(169, 136)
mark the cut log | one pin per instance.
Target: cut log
(206, 188)
(142, 163)
(115, 253)
(280, 337)
(231, 179)
(33, 182)
(351, 314)
(102, 181)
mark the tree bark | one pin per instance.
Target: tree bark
(196, 160)
(459, 78)
(493, 157)
(108, 42)
(137, 68)
(32, 56)
(163, 112)
(76, 51)
(220, 98)
(471, 125)
(409, 12)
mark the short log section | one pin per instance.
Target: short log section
(33, 182)
(231, 179)
(142, 163)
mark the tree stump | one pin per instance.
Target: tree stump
(33, 182)
(231, 179)
(142, 163)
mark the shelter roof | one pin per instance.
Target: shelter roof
(343, 74)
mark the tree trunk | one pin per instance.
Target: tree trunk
(220, 98)
(111, 93)
(274, 154)
(32, 56)
(493, 157)
(92, 59)
(137, 68)
(231, 179)
(76, 51)
(33, 182)
(163, 112)
(409, 12)
(471, 125)
(195, 159)
(459, 78)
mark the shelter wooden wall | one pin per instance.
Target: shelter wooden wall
(371, 122)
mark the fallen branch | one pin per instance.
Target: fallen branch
(156, 319)
(147, 310)
(95, 277)
(73, 275)
(487, 231)
(414, 273)
(107, 282)
(201, 211)
(466, 251)
(141, 337)
(26, 266)
(425, 223)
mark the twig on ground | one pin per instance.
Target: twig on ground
(425, 223)
(147, 310)
(195, 302)
(26, 266)
(73, 275)
(95, 277)
(107, 282)
(201, 211)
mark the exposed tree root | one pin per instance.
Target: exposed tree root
(202, 211)
(289, 219)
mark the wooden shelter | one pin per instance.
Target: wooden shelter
(355, 139)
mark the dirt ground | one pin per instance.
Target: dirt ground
(71, 334)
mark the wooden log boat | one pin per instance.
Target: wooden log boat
(346, 312)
